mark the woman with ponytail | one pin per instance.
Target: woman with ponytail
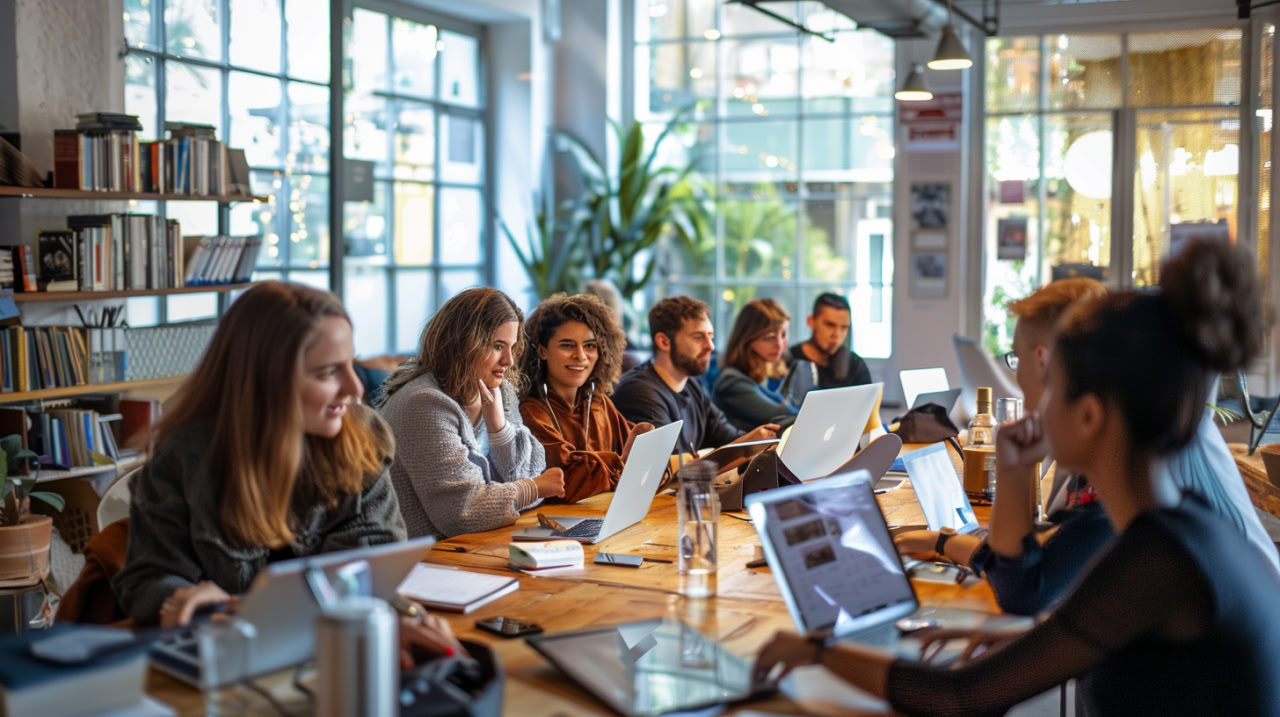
(1177, 615)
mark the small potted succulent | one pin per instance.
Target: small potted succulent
(24, 538)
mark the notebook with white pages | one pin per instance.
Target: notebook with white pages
(454, 590)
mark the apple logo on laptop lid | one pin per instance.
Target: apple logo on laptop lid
(830, 431)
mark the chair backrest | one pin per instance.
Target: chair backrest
(115, 502)
(978, 368)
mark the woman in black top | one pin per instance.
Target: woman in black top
(1177, 615)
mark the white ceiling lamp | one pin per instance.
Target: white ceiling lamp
(951, 54)
(914, 89)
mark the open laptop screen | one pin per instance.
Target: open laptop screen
(938, 488)
(831, 553)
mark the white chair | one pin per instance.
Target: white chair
(114, 504)
(977, 368)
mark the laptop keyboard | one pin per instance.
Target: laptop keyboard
(589, 528)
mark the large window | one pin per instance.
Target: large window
(1059, 109)
(414, 105)
(793, 136)
(258, 71)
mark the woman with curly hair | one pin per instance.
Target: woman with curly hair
(466, 462)
(574, 359)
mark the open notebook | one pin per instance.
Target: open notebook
(454, 590)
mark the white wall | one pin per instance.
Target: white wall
(922, 328)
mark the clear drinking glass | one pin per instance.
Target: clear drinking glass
(1007, 409)
(699, 516)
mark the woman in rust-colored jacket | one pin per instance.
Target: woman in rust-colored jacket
(574, 358)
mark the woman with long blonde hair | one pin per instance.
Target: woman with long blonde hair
(466, 462)
(754, 356)
(264, 453)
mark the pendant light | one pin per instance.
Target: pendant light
(914, 89)
(951, 54)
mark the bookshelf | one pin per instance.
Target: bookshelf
(50, 193)
(85, 389)
(122, 466)
(46, 296)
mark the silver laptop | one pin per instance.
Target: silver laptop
(836, 566)
(939, 490)
(637, 485)
(946, 399)
(274, 625)
(826, 432)
(916, 381)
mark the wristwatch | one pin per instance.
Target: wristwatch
(940, 546)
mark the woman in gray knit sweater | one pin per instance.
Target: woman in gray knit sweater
(264, 454)
(466, 463)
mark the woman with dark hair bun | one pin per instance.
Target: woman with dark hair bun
(1177, 616)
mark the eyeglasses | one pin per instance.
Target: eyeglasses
(1010, 360)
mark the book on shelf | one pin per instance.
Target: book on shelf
(211, 260)
(112, 252)
(15, 169)
(58, 256)
(454, 590)
(24, 263)
(42, 357)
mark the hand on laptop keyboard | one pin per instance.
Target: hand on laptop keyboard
(933, 641)
(182, 604)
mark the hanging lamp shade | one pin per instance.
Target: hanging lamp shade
(951, 54)
(914, 88)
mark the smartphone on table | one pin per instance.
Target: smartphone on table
(630, 561)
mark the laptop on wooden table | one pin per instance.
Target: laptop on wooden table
(637, 486)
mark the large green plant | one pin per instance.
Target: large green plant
(18, 488)
(551, 256)
(625, 212)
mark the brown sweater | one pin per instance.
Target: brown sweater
(592, 463)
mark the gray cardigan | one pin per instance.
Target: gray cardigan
(446, 483)
(175, 531)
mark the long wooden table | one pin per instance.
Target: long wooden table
(746, 612)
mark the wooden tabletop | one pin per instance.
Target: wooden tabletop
(746, 612)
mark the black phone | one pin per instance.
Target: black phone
(630, 561)
(508, 627)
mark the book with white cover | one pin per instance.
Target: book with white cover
(454, 590)
(546, 554)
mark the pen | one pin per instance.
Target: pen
(451, 548)
(657, 560)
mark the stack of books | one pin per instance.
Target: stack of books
(111, 252)
(101, 154)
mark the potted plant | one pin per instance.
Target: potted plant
(24, 538)
(550, 256)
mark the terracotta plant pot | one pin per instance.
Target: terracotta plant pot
(24, 550)
(1271, 460)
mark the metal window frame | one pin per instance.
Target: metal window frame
(156, 49)
(1124, 151)
(719, 281)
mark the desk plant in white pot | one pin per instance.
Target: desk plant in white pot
(24, 538)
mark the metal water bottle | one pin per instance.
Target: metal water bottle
(357, 651)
